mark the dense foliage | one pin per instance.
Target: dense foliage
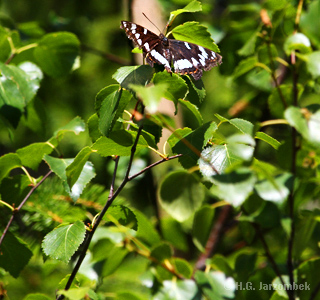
(93, 208)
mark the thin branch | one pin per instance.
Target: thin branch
(269, 255)
(315, 292)
(101, 215)
(153, 165)
(214, 237)
(16, 211)
(108, 56)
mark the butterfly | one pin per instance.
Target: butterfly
(186, 58)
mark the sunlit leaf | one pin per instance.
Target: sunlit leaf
(178, 290)
(62, 242)
(110, 104)
(313, 63)
(59, 166)
(297, 41)
(193, 6)
(195, 33)
(275, 190)
(32, 155)
(215, 285)
(139, 75)
(151, 95)
(74, 170)
(268, 139)
(119, 143)
(234, 187)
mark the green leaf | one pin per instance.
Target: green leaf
(215, 285)
(243, 125)
(146, 232)
(178, 201)
(76, 126)
(297, 41)
(202, 225)
(193, 6)
(276, 4)
(313, 63)
(110, 104)
(217, 158)
(119, 143)
(178, 290)
(245, 66)
(121, 215)
(31, 155)
(17, 89)
(138, 75)
(36, 297)
(114, 260)
(195, 33)
(182, 267)
(59, 166)
(275, 190)
(15, 254)
(310, 23)
(77, 293)
(268, 139)
(191, 145)
(176, 86)
(8, 162)
(93, 126)
(151, 95)
(250, 45)
(62, 242)
(57, 53)
(275, 101)
(173, 232)
(193, 110)
(128, 296)
(245, 265)
(306, 123)
(234, 187)
(74, 170)
(307, 276)
(177, 135)
(197, 92)
(4, 45)
(161, 252)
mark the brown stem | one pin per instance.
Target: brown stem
(14, 213)
(108, 56)
(213, 237)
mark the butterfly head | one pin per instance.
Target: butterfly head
(164, 40)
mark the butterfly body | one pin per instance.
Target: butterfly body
(186, 58)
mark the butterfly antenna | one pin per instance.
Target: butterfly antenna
(152, 22)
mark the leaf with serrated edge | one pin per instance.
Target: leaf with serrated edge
(62, 242)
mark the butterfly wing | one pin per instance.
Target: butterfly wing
(192, 59)
(187, 58)
(142, 37)
(149, 42)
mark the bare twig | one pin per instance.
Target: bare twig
(108, 56)
(111, 198)
(269, 255)
(16, 211)
(214, 237)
